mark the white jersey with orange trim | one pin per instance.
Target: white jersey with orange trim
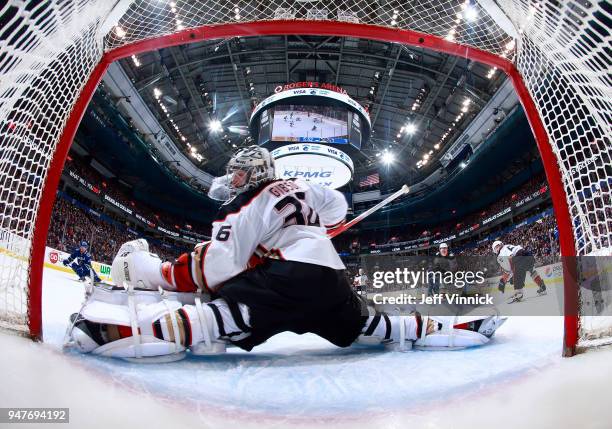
(506, 253)
(283, 219)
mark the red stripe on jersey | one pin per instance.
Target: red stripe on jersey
(190, 265)
(277, 253)
(202, 258)
(254, 261)
(166, 271)
(258, 193)
(182, 274)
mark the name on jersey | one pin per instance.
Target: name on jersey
(283, 188)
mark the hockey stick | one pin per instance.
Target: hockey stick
(404, 190)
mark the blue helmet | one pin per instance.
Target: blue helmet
(84, 244)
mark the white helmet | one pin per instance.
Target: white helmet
(255, 165)
(496, 243)
(443, 246)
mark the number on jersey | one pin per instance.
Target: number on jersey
(301, 213)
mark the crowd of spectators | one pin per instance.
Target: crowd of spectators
(70, 225)
(384, 236)
(121, 196)
(540, 238)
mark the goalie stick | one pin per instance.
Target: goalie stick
(403, 191)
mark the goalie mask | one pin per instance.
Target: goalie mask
(219, 188)
(248, 168)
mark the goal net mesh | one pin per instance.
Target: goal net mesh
(49, 49)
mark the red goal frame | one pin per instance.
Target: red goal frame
(314, 28)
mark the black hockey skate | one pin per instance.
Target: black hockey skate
(541, 290)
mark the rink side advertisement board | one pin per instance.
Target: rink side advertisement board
(55, 259)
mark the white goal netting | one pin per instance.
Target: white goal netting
(48, 49)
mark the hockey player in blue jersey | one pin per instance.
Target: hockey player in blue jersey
(80, 262)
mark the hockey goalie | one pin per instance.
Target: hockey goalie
(268, 268)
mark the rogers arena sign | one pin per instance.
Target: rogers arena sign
(316, 163)
(295, 85)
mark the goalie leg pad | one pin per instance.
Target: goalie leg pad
(159, 329)
(109, 330)
(451, 340)
(430, 333)
(450, 332)
(381, 328)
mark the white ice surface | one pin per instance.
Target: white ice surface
(302, 381)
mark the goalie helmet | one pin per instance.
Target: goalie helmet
(496, 244)
(219, 188)
(248, 168)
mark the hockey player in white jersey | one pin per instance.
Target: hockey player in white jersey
(516, 262)
(360, 282)
(269, 267)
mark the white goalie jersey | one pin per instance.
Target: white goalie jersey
(284, 219)
(506, 253)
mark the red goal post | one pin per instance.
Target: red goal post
(55, 56)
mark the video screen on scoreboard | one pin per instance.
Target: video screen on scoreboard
(305, 123)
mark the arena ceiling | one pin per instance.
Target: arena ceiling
(416, 97)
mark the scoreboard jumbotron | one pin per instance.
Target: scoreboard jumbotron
(312, 130)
